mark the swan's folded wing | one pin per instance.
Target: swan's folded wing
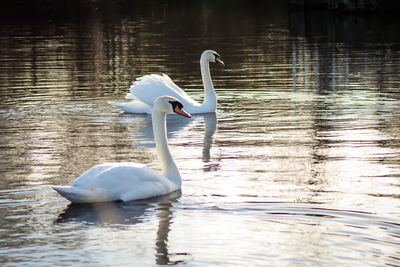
(173, 86)
(134, 106)
(122, 175)
(150, 87)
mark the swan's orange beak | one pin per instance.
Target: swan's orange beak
(182, 112)
(219, 61)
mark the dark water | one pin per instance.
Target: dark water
(299, 166)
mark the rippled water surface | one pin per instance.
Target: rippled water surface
(300, 165)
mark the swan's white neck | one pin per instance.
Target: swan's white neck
(210, 97)
(168, 166)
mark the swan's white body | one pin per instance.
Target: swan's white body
(130, 181)
(146, 89)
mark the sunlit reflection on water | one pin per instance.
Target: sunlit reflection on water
(300, 164)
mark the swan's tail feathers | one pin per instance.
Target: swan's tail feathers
(78, 195)
(117, 104)
(72, 193)
(130, 96)
(133, 107)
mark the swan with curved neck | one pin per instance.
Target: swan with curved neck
(127, 181)
(147, 88)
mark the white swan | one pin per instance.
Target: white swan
(146, 89)
(131, 181)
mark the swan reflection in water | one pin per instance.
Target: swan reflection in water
(129, 213)
(143, 131)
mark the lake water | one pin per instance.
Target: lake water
(300, 165)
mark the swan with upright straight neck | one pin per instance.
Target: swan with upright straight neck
(127, 181)
(147, 88)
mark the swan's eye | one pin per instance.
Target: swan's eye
(216, 56)
(176, 105)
